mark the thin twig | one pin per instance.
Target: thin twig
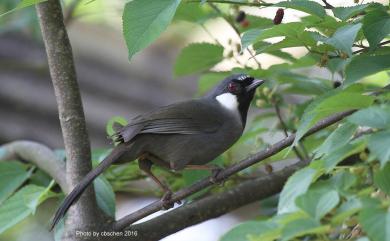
(226, 173)
(231, 23)
(327, 5)
(284, 128)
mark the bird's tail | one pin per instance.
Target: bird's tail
(75, 194)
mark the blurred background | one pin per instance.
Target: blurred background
(110, 86)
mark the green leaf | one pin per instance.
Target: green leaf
(336, 139)
(113, 123)
(291, 30)
(337, 64)
(376, 26)
(306, 6)
(376, 223)
(12, 175)
(382, 179)
(344, 37)
(364, 65)
(194, 12)
(379, 143)
(296, 185)
(346, 210)
(20, 205)
(105, 196)
(302, 227)
(145, 20)
(343, 181)
(252, 228)
(318, 203)
(303, 85)
(330, 103)
(344, 13)
(208, 80)
(197, 57)
(375, 117)
(23, 4)
(338, 155)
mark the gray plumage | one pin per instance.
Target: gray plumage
(192, 132)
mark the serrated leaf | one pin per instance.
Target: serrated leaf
(194, 12)
(23, 4)
(306, 6)
(339, 154)
(296, 185)
(20, 205)
(145, 20)
(330, 103)
(382, 179)
(346, 210)
(336, 139)
(197, 57)
(376, 223)
(345, 13)
(343, 180)
(344, 38)
(364, 65)
(105, 196)
(374, 116)
(376, 26)
(379, 144)
(12, 175)
(290, 30)
(317, 203)
(303, 85)
(302, 227)
(209, 80)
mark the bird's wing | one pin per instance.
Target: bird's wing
(191, 117)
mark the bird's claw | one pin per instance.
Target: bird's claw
(167, 200)
(214, 175)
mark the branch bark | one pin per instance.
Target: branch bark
(38, 154)
(229, 171)
(84, 215)
(215, 205)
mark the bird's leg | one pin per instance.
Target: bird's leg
(215, 170)
(145, 164)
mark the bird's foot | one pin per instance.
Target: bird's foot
(168, 203)
(215, 171)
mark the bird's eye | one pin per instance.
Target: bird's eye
(234, 88)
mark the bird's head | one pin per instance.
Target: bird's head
(236, 93)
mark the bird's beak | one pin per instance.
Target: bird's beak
(256, 83)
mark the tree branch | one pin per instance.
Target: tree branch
(38, 154)
(215, 205)
(229, 171)
(84, 215)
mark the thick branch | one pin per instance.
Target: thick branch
(215, 205)
(38, 154)
(229, 171)
(84, 214)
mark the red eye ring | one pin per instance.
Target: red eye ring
(233, 88)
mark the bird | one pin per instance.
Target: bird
(183, 135)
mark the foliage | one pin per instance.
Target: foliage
(346, 186)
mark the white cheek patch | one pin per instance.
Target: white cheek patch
(228, 100)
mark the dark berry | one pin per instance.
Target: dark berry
(240, 16)
(336, 84)
(278, 16)
(245, 23)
